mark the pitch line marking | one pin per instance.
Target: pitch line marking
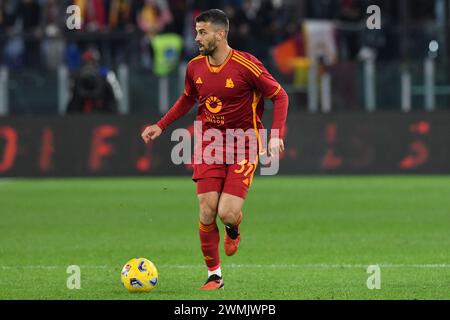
(243, 266)
(317, 266)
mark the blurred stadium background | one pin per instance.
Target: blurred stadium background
(402, 66)
(360, 90)
(362, 102)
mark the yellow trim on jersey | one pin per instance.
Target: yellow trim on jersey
(249, 64)
(197, 58)
(257, 74)
(276, 92)
(248, 61)
(217, 69)
(256, 98)
(254, 170)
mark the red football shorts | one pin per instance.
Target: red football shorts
(234, 179)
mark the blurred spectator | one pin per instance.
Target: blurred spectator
(72, 57)
(178, 8)
(11, 43)
(124, 29)
(29, 13)
(153, 17)
(53, 44)
(265, 30)
(190, 47)
(7, 15)
(240, 36)
(93, 14)
(322, 9)
(95, 87)
(351, 10)
(122, 15)
(166, 50)
(351, 13)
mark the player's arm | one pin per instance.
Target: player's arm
(280, 108)
(271, 89)
(179, 109)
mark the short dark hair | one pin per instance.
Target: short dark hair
(215, 16)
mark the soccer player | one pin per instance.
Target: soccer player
(229, 87)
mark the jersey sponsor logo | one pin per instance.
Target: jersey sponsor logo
(213, 104)
(229, 83)
(199, 81)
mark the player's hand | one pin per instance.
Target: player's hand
(276, 146)
(151, 133)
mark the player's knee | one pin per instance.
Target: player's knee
(228, 216)
(208, 210)
(207, 214)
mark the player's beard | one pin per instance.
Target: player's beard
(208, 49)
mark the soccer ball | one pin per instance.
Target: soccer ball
(139, 275)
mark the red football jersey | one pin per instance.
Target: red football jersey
(230, 96)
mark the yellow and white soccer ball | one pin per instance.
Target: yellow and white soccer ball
(139, 275)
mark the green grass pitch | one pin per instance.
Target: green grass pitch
(302, 238)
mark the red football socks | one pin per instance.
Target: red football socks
(209, 241)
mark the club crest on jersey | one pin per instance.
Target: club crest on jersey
(229, 83)
(213, 104)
